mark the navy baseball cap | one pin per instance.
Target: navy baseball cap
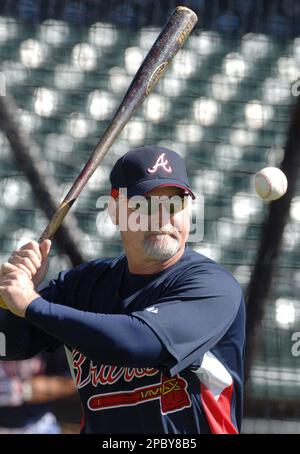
(146, 168)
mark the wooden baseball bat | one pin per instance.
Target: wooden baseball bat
(156, 62)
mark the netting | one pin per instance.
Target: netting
(224, 105)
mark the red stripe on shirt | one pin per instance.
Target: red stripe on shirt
(218, 412)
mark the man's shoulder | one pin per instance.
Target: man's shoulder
(93, 267)
(197, 261)
(200, 268)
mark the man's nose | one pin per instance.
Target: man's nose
(161, 217)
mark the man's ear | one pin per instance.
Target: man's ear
(113, 210)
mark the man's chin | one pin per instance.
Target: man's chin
(161, 247)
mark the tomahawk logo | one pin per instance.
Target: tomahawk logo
(170, 392)
(2, 344)
(161, 162)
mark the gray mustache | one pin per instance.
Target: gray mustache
(162, 231)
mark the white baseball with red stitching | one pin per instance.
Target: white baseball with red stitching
(270, 183)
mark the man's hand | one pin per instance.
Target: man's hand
(32, 259)
(16, 288)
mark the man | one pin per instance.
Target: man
(155, 337)
(27, 389)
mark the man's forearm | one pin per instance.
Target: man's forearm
(44, 389)
(107, 338)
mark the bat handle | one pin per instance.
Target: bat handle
(57, 219)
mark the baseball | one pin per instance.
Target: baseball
(270, 183)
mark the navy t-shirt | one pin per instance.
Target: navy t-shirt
(195, 308)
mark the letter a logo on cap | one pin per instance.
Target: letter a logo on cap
(161, 162)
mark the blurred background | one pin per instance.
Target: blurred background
(228, 104)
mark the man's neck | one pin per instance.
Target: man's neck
(150, 266)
